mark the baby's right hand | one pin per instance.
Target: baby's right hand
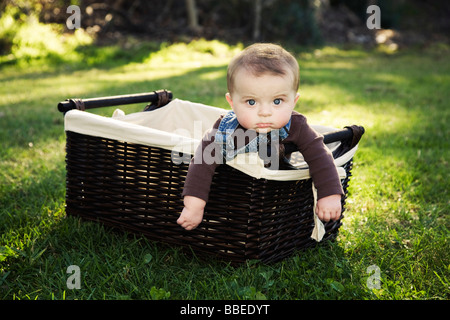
(192, 214)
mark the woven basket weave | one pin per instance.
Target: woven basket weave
(138, 188)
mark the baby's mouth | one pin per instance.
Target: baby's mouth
(263, 125)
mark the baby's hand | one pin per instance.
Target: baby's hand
(192, 214)
(329, 208)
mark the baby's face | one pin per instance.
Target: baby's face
(264, 102)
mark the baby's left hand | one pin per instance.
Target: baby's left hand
(329, 208)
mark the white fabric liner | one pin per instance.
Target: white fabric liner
(179, 127)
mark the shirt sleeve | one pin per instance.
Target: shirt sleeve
(320, 160)
(203, 165)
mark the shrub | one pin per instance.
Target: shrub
(23, 38)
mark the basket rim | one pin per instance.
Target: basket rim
(114, 128)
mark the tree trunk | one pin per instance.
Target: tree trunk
(257, 21)
(192, 15)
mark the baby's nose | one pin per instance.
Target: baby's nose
(265, 110)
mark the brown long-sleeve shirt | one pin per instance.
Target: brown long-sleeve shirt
(308, 141)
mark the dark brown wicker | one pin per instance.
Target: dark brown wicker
(138, 188)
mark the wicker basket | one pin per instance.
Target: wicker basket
(137, 187)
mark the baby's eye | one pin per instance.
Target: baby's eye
(277, 102)
(251, 102)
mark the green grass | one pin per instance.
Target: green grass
(397, 216)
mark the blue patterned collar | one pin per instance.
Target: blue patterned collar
(229, 124)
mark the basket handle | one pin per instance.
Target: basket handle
(340, 135)
(349, 137)
(157, 99)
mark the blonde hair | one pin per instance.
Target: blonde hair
(261, 58)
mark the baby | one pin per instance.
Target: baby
(262, 92)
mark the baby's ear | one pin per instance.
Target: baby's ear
(296, 97)
(228, 97)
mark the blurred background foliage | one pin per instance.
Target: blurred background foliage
(31, 29)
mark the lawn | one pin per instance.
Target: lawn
(396, 226)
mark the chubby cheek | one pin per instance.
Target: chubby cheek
(245, 119)
(283, 119)
(246, 122)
